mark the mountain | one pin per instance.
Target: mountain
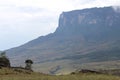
(83, 37)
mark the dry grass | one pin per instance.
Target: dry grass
(7, 74)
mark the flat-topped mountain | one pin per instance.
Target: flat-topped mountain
(82, 37)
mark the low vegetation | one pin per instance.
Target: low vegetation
(10, 74)
(20, 73)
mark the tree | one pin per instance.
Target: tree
(28, 63)
(4, 61)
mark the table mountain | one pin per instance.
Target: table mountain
(82, 37)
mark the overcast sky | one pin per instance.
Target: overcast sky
(24, 20)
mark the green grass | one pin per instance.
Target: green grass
(12, 75)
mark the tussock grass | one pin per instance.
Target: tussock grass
(12, 75)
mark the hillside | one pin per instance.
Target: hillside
(82, 37)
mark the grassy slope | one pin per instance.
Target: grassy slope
(105, 57)
(7, 74)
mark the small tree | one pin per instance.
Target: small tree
(4, 61)
(28, 63)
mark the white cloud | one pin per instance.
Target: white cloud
(61, 5)
(24, 20)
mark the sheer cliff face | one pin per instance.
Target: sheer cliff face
(89, 21)
(83, 36)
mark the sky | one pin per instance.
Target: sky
(25, 20)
